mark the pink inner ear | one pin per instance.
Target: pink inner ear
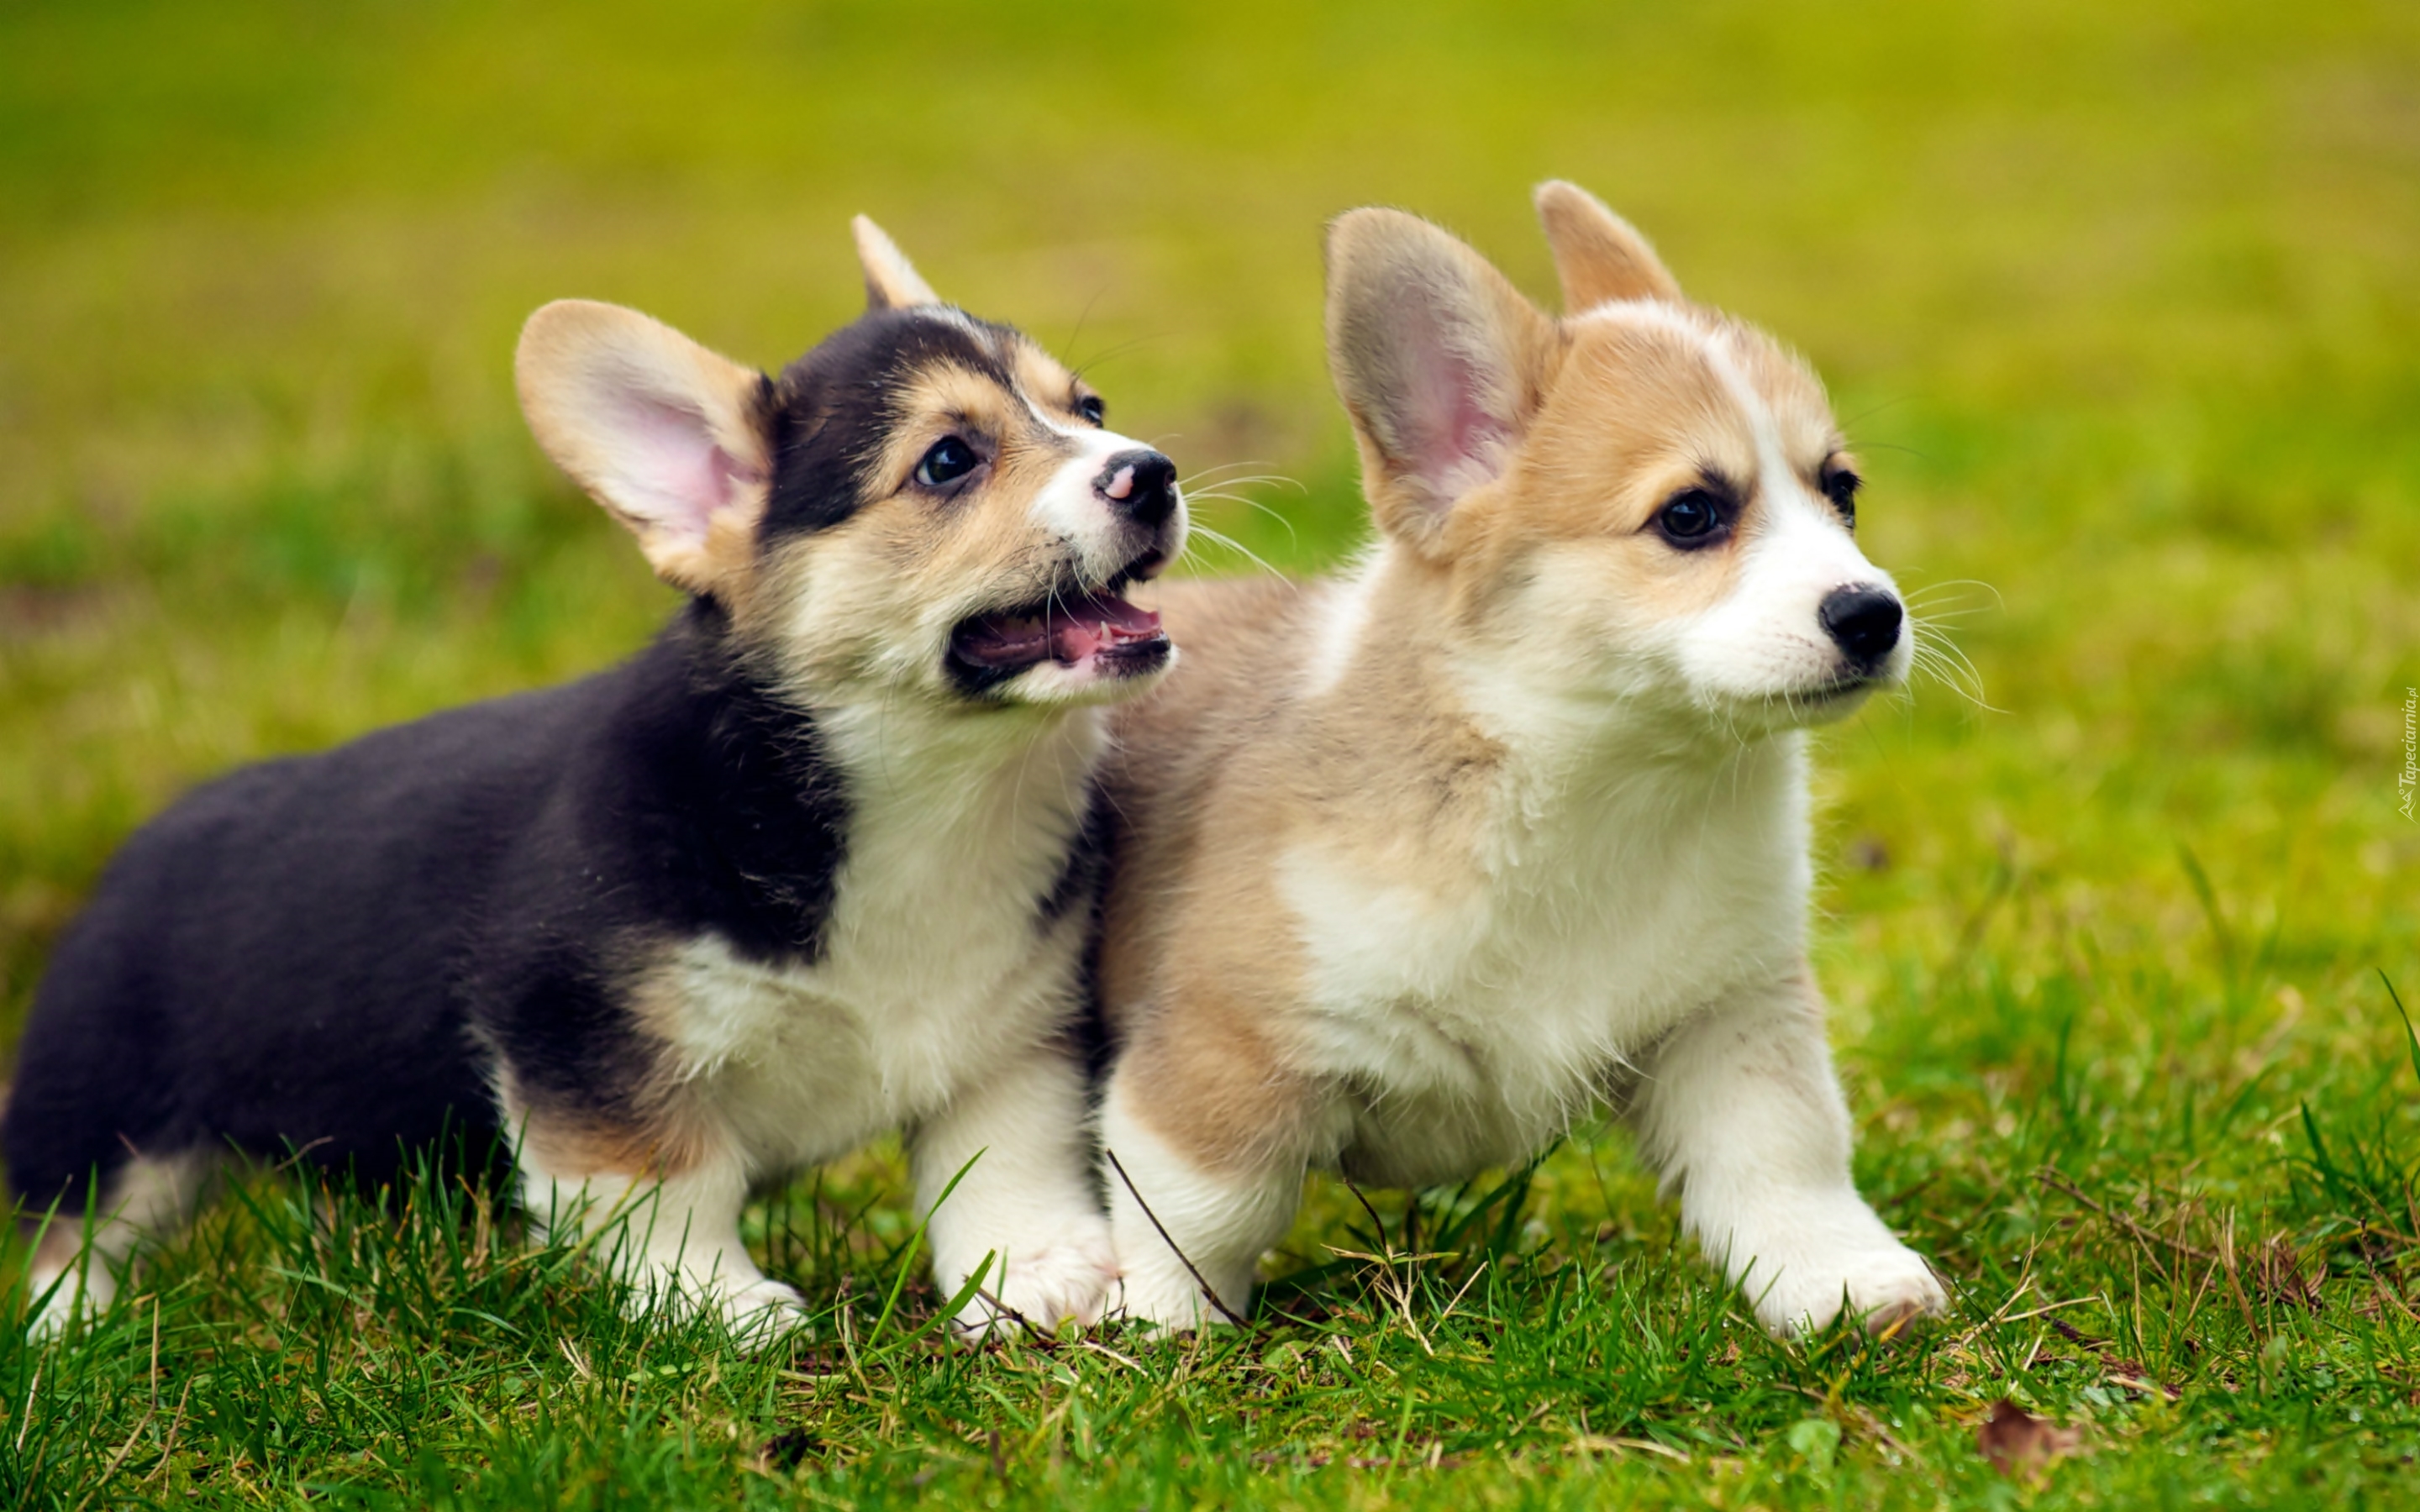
(679, 476)
(1456, 441)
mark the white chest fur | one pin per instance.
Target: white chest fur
(1487, 1011)
(937, 962)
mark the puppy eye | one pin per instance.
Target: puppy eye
(949, 460)
(1693, 518)
(1841, 486)
(1091, 409)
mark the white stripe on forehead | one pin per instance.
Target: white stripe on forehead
(1761, 425)
(1077, 432)
(1660, 314)
(1716, 346)
(949, 315)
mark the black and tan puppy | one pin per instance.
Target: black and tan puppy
(812, 866)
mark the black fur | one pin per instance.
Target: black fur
(327, 952)
(1087, 864)
(831, 400)
(974, 680)
(333, 952)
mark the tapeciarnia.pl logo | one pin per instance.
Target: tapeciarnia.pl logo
(2407, 782)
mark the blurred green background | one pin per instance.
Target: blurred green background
(2120, 304)
(2120, 301)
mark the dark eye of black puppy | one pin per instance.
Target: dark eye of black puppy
(1840, 486)
(1091, 409)
(949, 460)
(1691, 519)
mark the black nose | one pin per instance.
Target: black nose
(1140, 485)
(1863, 620)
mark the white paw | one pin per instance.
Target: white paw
(757, 1311)
(1881, 1287)
(59, 1309)
(1155, 1287)
(760, 1313)
(72, 1295)
(1048, 1285)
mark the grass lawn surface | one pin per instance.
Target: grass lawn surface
(2120, 304)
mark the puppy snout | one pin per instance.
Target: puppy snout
(1140, 485)
(1863, 621)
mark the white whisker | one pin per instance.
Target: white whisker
(1230, 543)
(1935, 656)
(1219, 493)
(1211, 474)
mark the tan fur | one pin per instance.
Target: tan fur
(1634, 418)
(1215, 773)
(664, 1131)
(828, 613)
(835, 605)
(575, 358)
(1209, 1071)
(1213, 1075)
(1599, 256)
(667, 1139)
(1584, 429)
(966, 783)
(947, 400)
(825, 612)
(1049, 385)
(1364, 339)
(891, 282)
(1220, 768)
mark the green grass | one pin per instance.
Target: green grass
(2117, 301)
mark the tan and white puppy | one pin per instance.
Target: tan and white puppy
(1416, 866)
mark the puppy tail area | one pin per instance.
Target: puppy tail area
(83, 1252)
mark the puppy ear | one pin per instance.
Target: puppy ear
(892, 281)
(669, 436)
(1599, 256)
(1439, 361)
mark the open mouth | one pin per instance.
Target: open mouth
(1073, 627)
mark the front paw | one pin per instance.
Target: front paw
(67, 1302)
(1045, 1286)
(760, 1313)
(1175, 1303)
(1883, 1289)
(756, 1313)
(1158, 1289)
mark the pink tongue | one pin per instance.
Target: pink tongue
(1089, 625)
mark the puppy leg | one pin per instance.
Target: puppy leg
(1739, 1108)
(672, 1236)
(1027, 1197)
(79, 1259)
(1212, 1145)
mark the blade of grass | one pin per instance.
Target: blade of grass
(907, 1256)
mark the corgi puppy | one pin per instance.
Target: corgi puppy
(1415, 867)
(818, 863)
